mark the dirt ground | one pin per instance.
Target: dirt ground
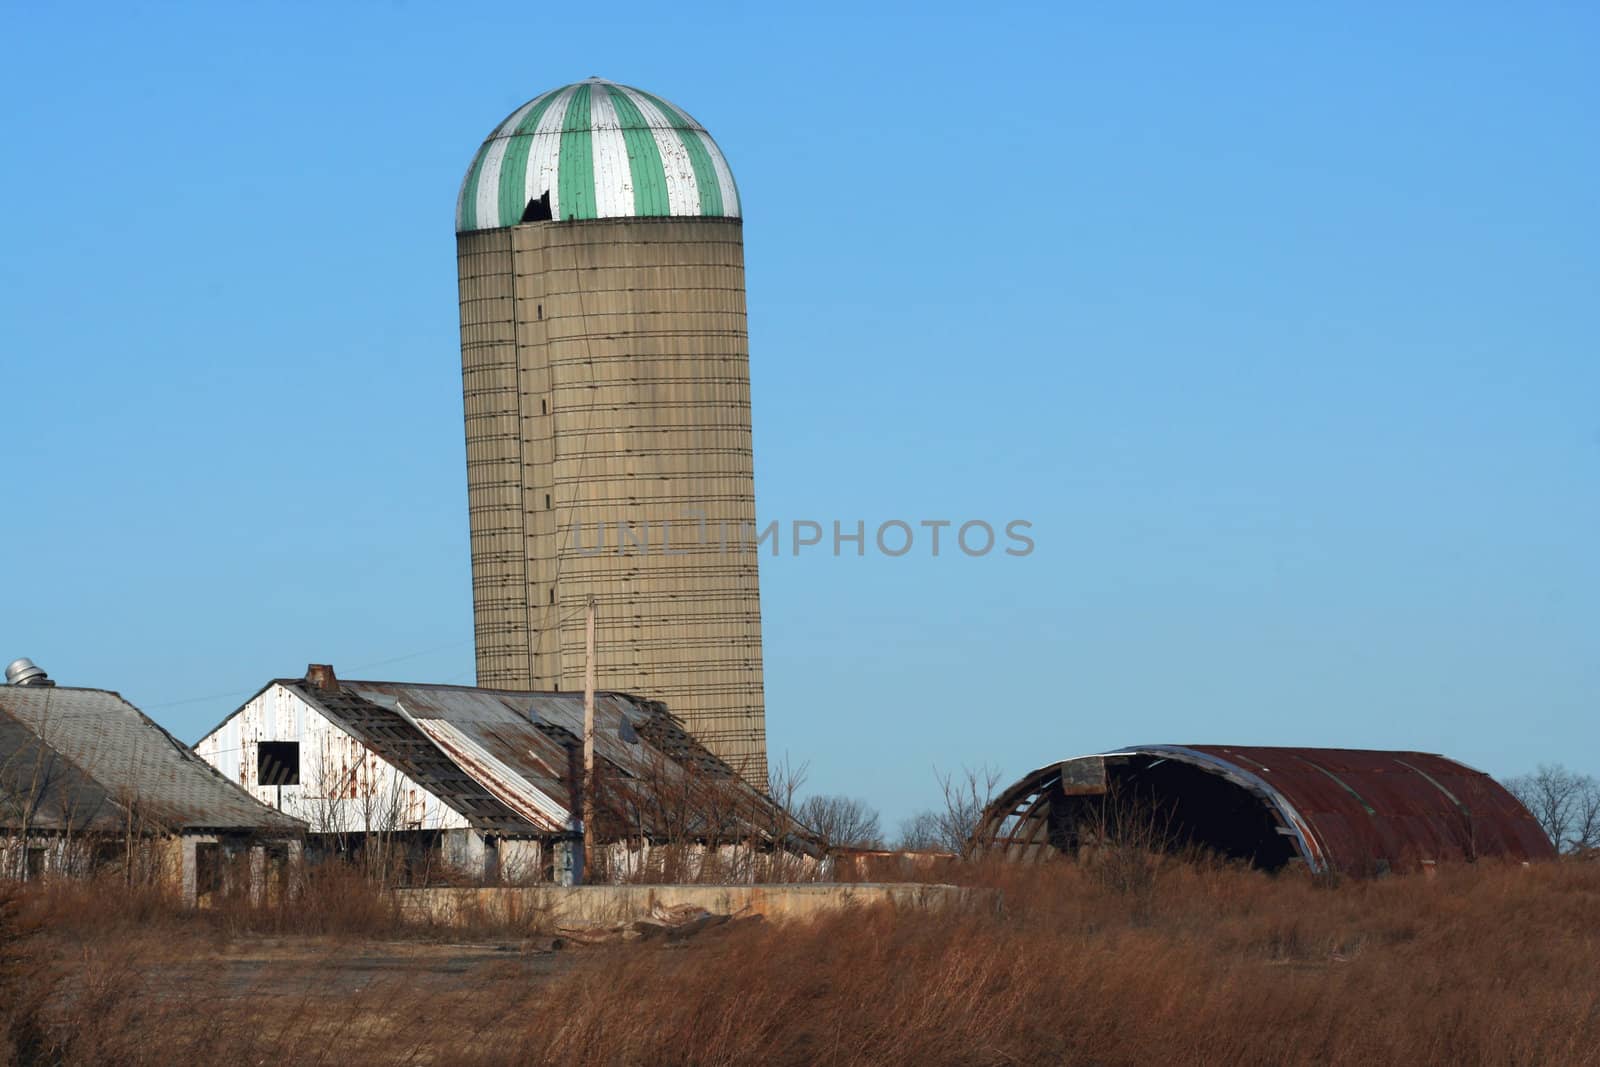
(295, 967)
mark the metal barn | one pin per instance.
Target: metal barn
(458, 781)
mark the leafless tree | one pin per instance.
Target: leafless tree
(1566, 805)
(951, 828)
(671, 812)
(27, 776)
(1587, 822)
(781, 863)
(922, 832)
(784, 782)
(361, 806)
(322, 799)
(40, 810)
(840, 822)
(965, 797)
(687, 820)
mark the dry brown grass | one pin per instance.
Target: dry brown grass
(1206, 964)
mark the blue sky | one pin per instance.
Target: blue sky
(1280, 327)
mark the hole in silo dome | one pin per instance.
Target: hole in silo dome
(538, 210)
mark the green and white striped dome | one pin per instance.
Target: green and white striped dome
(600, 151)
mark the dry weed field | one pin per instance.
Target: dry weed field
(1185, 963)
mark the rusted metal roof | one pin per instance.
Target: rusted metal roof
(1353, 810)
(501, 758)
(1365, 807)
(378, 726)
(75, 759)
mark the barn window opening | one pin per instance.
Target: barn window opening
(278, 763)
(538, 210)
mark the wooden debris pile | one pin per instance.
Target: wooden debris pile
(675, 922)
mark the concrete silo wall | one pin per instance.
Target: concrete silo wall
(605, 369)
(495, 472)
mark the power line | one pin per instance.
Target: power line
(357, 668)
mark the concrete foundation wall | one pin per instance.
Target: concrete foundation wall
(549, 906)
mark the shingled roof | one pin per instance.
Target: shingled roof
(86, 759)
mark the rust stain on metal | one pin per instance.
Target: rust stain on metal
(1366, 807)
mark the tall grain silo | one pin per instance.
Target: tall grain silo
(605, 376)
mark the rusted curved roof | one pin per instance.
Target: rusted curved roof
(1364, 806)
(1352, 810)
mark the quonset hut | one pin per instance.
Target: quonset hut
(605, 375)
(1329, 809)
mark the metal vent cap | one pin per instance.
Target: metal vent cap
(24, 671)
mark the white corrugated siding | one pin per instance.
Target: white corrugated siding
(344, 787)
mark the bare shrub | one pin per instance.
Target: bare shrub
(1131, 837)
(27, 982)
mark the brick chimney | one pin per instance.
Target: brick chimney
(321, 675)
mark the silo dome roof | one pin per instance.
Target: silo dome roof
(598, 150)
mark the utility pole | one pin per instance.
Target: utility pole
(588, 741)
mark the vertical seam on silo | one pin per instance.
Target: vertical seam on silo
(583, 455)
(522, 458)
